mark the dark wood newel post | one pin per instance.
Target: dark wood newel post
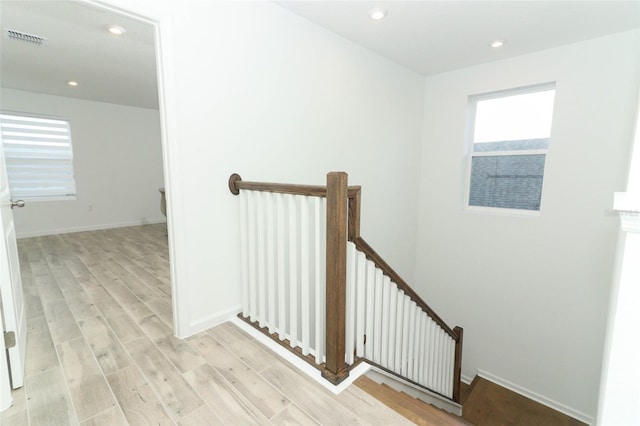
(335, 369)
(457, 369)
(354, 217)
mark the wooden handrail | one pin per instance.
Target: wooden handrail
(236, 184)
(371, 254)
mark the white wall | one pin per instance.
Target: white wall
(620, 384)
(117, 163)
(532, 292)
(251, 88)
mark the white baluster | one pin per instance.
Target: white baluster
(384, 339)
(252, 257)
(391, 347)
(425, 353)
(451, 369)
(281, 258)
(405, 334)
(293, 272)
(445, 362)
(244, 252)
(318, 285)
(440, 362)
(305, 311)
(421, 351)
(262, 264)
(377, 317)
(271, 262)
(415, 376)
(433, 327)
(361, 298)
(370, 285)
(399, 327)
(412, 338)
(323, 272)
(350, 301)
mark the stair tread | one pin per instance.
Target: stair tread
(410, 407)
(421, 405)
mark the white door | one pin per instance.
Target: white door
(13, 315)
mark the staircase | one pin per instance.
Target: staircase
(485, 404)
(311, 283)
(410, 407)
(315, 286)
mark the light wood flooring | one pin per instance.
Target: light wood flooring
(101, 350)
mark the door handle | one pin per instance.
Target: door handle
(17, 203)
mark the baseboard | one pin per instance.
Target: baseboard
(298, 363)
(466, 379)
(537, 397)
(209, 322)
(20, 235)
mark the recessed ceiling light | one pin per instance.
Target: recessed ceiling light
(377, 13)
(116, 30)
(498, 43)
(72, 83)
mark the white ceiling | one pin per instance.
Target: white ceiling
(431, 37)
(427, 36)
(120, 70)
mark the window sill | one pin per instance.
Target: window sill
(499, 211)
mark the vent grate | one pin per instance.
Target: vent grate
(27, 38)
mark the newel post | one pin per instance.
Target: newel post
(335, 369)
(457, 366)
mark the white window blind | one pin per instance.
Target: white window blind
(39, 156)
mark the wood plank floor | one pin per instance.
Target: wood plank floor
(489, 404)
(101, 349)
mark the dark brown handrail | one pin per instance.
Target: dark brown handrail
(236, 184)
(371, 254)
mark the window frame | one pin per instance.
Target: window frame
(472, 101)
(71, 160)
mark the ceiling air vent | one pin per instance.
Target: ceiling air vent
(27, 38)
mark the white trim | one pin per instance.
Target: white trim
(55, 198)
(301, 365)
(537, 397)
(469, 153)
(630, 222)
(505, 93)
(509, 153)
(209, 322)
(57, 231)
(503, 211)
(158, 15)
(466, 379)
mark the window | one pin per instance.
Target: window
(510, 136)
(39, 156)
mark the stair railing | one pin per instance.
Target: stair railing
(320, 290)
